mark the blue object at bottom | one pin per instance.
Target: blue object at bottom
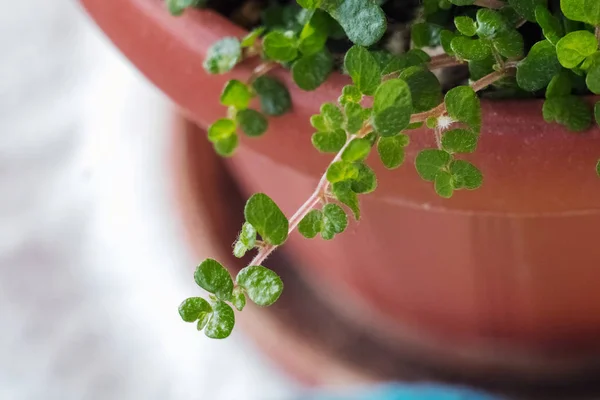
(405, 392)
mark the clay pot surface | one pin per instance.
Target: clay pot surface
(504, 275)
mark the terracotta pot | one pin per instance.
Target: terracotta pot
(500, 279)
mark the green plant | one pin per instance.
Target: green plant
(484, 35)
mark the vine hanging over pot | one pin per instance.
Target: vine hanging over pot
(390, 96)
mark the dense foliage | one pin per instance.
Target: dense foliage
(558, 59)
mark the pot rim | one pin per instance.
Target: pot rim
(531, 168)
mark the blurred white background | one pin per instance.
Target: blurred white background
(92, 260)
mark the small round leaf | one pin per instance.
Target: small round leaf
(363, 69)
(465, 175)
(392, 107)
(262, 285)
(222, 321)
(431, 161)
(460, 141)
(251, 122)
(391, 150)
(311, 224)
(211, 276)
(274, 96)
(576, 47)
(357, 150)
(280, 47)
(191, 309)
(267, 218)
(238, 298)
(223, 56)
(236, 94)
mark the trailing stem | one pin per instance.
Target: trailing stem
(322, 187)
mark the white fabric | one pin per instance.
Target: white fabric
(92, 261)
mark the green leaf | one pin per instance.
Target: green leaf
(597, 112)
(443, 184)
(262, 285)
(526, 8)
(311, 224)
(465, 25)
(446, 38)
(236, 94)
(225, 147)
(479, 69)
(425, 89)
(250, 39)
(309, 72)
(388, 63)
(240, 249)
(576, 47)
(425, 34)
(459, 141)
(177, 7)
(357, 150)
(267, 219)
(570, 111)
(318, 122)
(363, 21)
(431, 161)
(551, 26)
(415, 58)
(509, 44)
(238, 298)
(363, 69)
(223, 56)
(222, 321)
(274, 96)
(333, 117)
(335, 221)
(559, 86)
(203, 320)
(314, 34)
(392, 107)
(462, 104)
(341, 171)
(598, 168)
(350, 94)
(309, 4)
(539, 67)
(191, 309)
(490, 23)
(465, 175)
(248, 235)
(221, 129)
(592, 79)
(211, 276)
(280, 47)
(391, 150)
(329, 142)
(251, 122)
(345, 195)
(470, 49)
(354, 117)
(366, 181)
(587, 11)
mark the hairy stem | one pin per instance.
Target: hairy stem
(443, 61)
(477, 86)
(261, 70)
(312, 202)
(323, 185)
(493, 4)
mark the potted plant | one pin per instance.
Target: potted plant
(483, 255)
